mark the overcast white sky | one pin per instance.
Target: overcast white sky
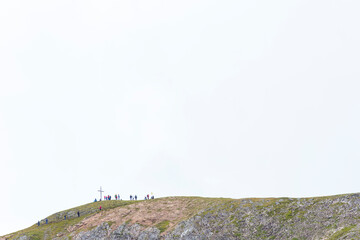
(193, 97)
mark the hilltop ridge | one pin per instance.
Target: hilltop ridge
(332, 217)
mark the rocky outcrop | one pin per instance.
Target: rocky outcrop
(321, 218)
(124, 231)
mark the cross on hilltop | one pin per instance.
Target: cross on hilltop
(101, 191)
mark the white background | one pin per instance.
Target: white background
(193, 97)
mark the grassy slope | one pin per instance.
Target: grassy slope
(57, 224)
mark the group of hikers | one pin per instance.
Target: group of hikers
(106, 198)
(117, 197)
(147, 197)
(47, 220)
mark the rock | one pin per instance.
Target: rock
(99, 233)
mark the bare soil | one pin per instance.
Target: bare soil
(146, 213)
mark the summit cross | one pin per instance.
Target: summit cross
(101, 191)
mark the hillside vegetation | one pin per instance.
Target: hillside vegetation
(334, 217)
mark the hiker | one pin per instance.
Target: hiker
(115, 197)
(119, 196)
(152, 197)
(130, 197)
(100, 208)
(148, 196)
(145, 198)
(38, 223)
(64, 217)
(78, 214)
(96, 200)
(135, 197)
(46, 221)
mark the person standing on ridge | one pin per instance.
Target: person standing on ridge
(78, 213)
(38, 223)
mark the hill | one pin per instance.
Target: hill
(333, 217)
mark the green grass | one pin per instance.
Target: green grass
(162, 226)
(36, 235)
(110, 223)
(341, 232)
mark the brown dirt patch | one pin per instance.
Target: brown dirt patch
(146, 213)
